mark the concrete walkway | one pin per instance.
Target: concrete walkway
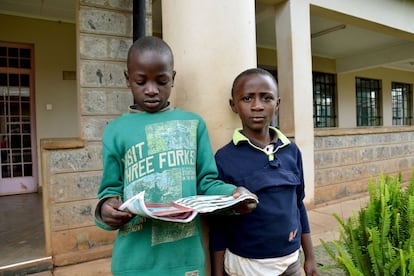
(324, 226)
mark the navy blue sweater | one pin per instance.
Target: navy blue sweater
(274, 228)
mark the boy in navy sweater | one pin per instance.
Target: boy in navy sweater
(262, 159)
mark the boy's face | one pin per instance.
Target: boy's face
(150, 76)
(255, 100)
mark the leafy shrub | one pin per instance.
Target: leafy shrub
(379, 239)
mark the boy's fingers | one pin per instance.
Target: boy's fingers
(245, 207)
(241, 190)
(251, 205)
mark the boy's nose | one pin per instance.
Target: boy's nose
(151, 90)
(257, 105)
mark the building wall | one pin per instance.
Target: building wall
(266, 57)
(345, 160)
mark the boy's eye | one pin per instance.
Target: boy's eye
(268, 98)
(139, 82)
(163, 81)
(247, 99)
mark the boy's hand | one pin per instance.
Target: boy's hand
(246, 206)
(111, 215)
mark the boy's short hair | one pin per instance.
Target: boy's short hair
(248, 72)
(151, 43)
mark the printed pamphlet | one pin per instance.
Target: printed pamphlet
(182, 210)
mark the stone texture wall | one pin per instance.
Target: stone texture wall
(346, 159)
(71, 168)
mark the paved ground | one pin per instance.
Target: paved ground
(324, 226)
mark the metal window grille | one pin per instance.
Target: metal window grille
(15, 113)
(368, 93)
(324, 100)
(401, 94)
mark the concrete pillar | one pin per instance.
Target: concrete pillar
(212, 42)
(295, 81)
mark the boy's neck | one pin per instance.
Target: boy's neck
(263, 139)
(134, 109)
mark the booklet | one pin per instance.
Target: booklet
(182, 210)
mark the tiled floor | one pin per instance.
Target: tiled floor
(21, 228)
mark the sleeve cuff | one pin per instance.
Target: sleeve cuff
(98, 217)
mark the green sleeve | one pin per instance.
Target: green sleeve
(112, 182)
(113, 168)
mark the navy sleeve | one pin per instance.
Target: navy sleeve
(301, 196)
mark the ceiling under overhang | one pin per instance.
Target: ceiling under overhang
(353, 47)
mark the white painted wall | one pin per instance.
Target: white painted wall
(212, 44)
(379, 11)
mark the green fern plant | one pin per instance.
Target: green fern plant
(379, 239)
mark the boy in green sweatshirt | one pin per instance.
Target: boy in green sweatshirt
(165, 151)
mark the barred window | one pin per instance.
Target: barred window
(368, 99)
(402, 99)
(324, 101)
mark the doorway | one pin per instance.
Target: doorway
(21, 229)
(18, 171)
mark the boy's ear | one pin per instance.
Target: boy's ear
(173, 78)
(126, 77)
(277, 103)
(233, 107)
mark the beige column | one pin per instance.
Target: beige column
(295, 81)
(212, 42)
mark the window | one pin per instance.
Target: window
(15, 111)
(402, 99)
(324, 103)
(368, 92)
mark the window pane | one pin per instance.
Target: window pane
(13, 52)
(28, 170)
(401, 94)
(4, 156)
(25, 63)
(3, 79)
(26, 141)
(5, 171)
(368, 92)
(25, 53)
(17, 170)
(27, 156)
(324, 103)
(13, 62)
(13, 80)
